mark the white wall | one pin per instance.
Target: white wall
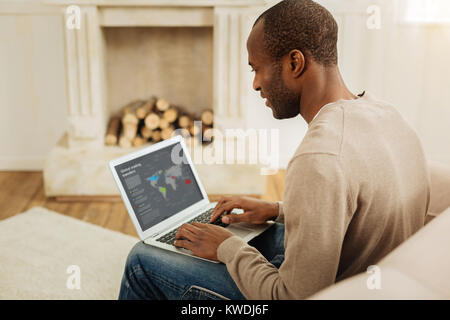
(405, 64)
(32, 87)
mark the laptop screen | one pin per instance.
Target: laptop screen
(158, 186)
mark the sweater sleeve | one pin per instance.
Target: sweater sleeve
(317, 210)
(280, 217)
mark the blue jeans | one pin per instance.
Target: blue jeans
(153, 273)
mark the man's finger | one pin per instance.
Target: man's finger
(219, 204)
(202, 227)
(184, 244)
(185, 233)
(199, 224)
(190, 227)
(223, 200)
(228, 206)
(234, 218)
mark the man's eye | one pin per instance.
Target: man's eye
(253, 70)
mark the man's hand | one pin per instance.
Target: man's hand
(202, 239)
(255, 211)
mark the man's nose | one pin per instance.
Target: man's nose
(256, 85)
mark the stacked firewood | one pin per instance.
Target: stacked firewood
(153, 120)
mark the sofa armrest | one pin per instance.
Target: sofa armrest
(417, 269)
(440, 187)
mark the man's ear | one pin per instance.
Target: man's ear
(296, 63)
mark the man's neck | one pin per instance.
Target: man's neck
(325, 86)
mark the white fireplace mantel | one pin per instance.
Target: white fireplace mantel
(81, 155)
(85, 55)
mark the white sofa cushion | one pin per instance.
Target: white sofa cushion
(440, 187)
(417, 269)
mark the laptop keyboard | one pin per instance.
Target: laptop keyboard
(169, 238)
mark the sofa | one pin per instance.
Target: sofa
(417, 269)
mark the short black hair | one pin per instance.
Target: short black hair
(300, 24)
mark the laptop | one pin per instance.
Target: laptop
(162, 190)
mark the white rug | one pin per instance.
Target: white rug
(37, 248)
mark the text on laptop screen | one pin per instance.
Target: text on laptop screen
(158, 187)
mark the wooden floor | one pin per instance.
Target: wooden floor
(20, 191)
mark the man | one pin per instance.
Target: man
(356, 187)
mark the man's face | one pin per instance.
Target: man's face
(284, 102)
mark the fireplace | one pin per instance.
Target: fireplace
(170, 62)
(191, 52)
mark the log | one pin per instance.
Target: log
(156, 136)
(146, 108)
(162, 104)
(152, 120)
(124, 142)
(207, 117)
(171, 114)
(138, 141)
(129, 112)
(130, 118)
(129, 107)
(112, 132)
(163, 123)
(194, 129)
(207, 133)
(183, 132)
(166, 133)
(129, 130)
(184, 121)
(146, 132)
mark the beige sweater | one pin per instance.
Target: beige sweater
(356, 187)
